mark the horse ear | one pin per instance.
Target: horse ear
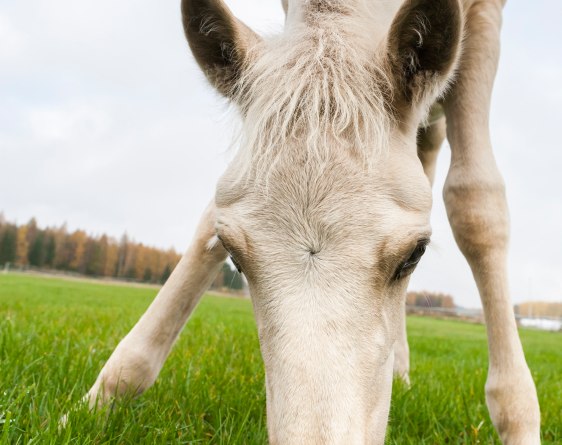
(218, 40)
(423, 47)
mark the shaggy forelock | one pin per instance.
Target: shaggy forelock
(319, 86)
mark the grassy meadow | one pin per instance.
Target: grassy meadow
(55, 336)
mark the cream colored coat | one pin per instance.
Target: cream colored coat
(326, 207)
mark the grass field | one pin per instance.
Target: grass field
(55, 336)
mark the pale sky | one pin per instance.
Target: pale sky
(106, 123)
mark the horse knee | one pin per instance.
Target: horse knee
(478, 214)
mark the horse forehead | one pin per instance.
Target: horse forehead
(341, 193)
(341, 204)
(347, 188)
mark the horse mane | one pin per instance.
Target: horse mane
(318, 85)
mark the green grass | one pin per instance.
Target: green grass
(55, 336)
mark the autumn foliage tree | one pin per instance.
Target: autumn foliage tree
(429, 299)
(28, 245)
(54, 248)
(22, 245)
(539, 309)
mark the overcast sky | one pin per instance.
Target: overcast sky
(106, 123)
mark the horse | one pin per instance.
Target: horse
(325, 207)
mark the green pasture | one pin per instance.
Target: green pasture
(55, 336)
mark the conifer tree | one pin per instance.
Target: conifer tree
(50, 253)
(166, 274)
(35, 255)
(232, 278)
(8, 245)
(93, 262)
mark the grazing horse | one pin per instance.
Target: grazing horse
(326, 206)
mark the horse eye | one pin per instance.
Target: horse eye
(410, 264)
(238, 268)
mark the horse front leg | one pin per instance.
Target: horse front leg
(476, 205)
(139, 357)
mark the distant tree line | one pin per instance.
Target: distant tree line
(56, 248)
(539, 308)
(429, 299)
(228, 279)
